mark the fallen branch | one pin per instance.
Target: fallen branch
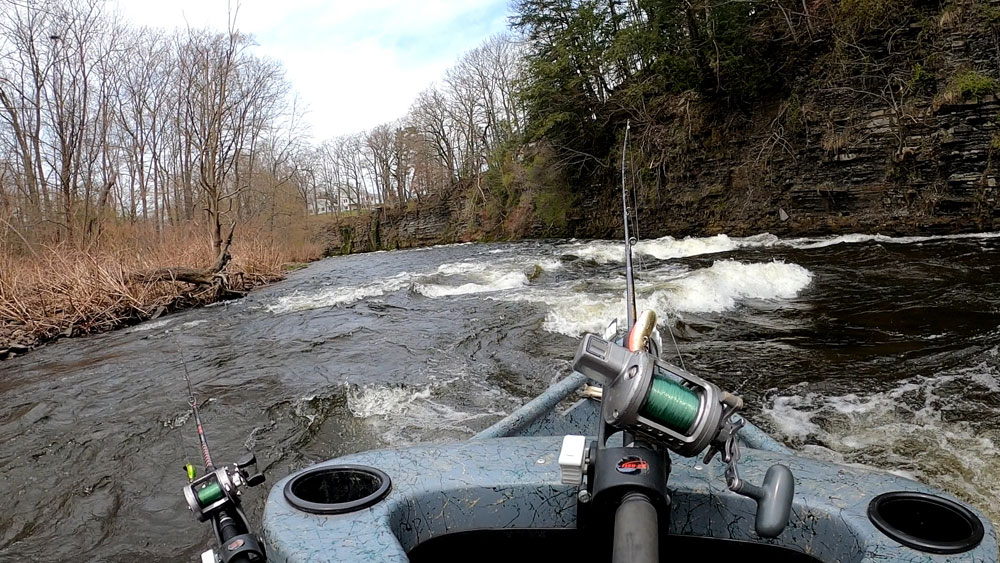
(204, 276)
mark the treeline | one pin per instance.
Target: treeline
(102, 122)
(453, 134)
(685, 74)
(596, 64)
(122, 150)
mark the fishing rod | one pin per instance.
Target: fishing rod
(202, 442)
(215, 496)
(629, 278)
(640, 330)
(656, 408)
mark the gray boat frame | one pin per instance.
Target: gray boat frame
(507, 477)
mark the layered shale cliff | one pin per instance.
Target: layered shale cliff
(384, 228)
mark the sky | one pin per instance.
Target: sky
(353, 63)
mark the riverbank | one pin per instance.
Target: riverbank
(59, 291)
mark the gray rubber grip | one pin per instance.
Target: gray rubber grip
(636, 535)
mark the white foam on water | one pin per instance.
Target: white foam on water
(921, 428)
(822, 242)
(984, 375)
(451, 279)
(668, 247)
(150, 325)
(449, 245)
(460, 268)
(303, 408)
(723, 285)
(177, 420)
(484, 277)
(548, 264)
(579, 308)
(599, 251)
(344, 295)
(790, 419)
(377, 400)
(403, 415)
(573, 308)
(574, 315)
(491, 281)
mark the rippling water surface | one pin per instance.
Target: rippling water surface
(860, 349)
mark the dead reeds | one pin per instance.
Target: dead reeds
(64, 290)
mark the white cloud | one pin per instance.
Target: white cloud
(355, 64)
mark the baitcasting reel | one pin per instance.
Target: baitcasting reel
(658, 400)
(215, 496)
(221, 488)
(683, 412)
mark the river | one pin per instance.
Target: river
(861, 349)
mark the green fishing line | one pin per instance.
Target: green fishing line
(209, 494)
(671, 404)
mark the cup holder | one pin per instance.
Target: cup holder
(926, 522)
(337, 489)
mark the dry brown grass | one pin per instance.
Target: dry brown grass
(833, 141)
(62, 289)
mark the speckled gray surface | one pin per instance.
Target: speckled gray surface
(514, 483)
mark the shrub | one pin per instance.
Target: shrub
(62, 289)
(552, 206)
(921, 78)
(973, 83)
(868, 15)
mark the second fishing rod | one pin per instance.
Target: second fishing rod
(216, 495)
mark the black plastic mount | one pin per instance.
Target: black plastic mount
(242, 548)
(615, 472)
(618, 471)
(237, 544)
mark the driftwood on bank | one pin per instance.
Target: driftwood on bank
(213, 280)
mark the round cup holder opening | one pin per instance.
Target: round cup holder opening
(337, 489)
(926, 522)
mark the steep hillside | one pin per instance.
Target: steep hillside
(879, 119)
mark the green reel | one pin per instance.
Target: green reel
(648, 396)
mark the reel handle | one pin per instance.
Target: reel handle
(774, 500)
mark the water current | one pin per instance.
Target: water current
(859, 349)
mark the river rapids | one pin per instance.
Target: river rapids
(860, 349)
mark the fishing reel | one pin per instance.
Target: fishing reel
(655, 399)
(681, 411)
(215, 496)
(221, 488)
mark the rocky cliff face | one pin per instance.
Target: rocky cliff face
(391, 229)
(907, 145)
(873, 170)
